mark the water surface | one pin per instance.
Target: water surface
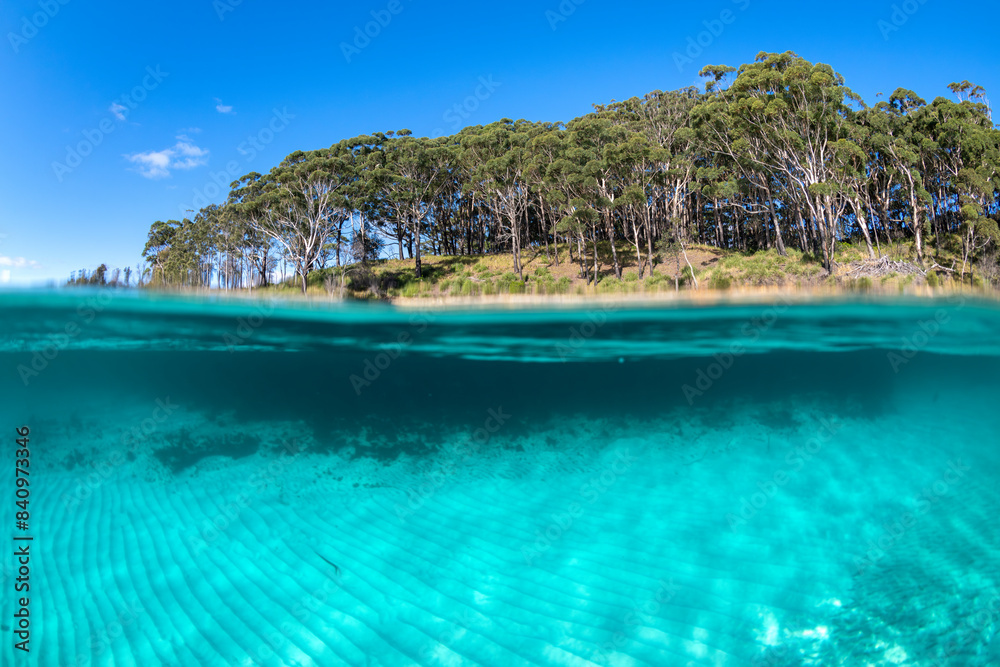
(231, 483)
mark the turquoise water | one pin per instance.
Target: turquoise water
(230, 483)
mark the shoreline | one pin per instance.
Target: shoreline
(696, 298)
(704, 297)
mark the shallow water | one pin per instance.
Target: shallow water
(228, 483)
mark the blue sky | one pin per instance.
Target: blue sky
(168, 98)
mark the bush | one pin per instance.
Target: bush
(687, 276)
(410, 290)
(720, 280)
(611, 286)
(862, 284)
(847, 252)
(932, 280)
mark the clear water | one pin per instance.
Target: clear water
(218, 483)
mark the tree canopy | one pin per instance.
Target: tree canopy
(776, 153)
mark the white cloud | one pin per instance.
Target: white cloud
(222, 108)
(117, 110)
(18, 262)
(5, 276)
(153, 164)
(182, 155)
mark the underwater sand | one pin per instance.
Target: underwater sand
(220, 483)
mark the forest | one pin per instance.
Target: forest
(777, 154)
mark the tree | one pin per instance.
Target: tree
(410, 179)
(786, 116)
(500, 150)
(776, 154)
(299, 205)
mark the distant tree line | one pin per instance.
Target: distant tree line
(776, 154)
(104, 277)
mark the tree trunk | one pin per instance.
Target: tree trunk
(555, 243)
(614, 251)
(542, 228)
(638, 250)
(649, 241)
(677, 275)
(594, 232)
(917, 227)
(778, 240)
(416, 235)
(825, 229)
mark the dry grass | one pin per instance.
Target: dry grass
(490, 278)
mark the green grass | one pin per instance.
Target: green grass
(717, 269)
(863, 284)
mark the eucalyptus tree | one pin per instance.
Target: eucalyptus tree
(544, 148)
(227, 239)
(968, 161)
(177, 251)
(642, 167)
(474, 194)
(904, 152)
(635, 200)
(582, 218)
(892, 178)
(603, 170)
(581, 221)
(564, 180)
(786, 116)
(360, 198)
(851, 169)
(299, 204)
(668, 117)
(731, 173)
(776, 153)
(248, 205)
(159, 243)
(410, 178)
(500, 152)
(638, 175)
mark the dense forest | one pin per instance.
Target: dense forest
(778, 153)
